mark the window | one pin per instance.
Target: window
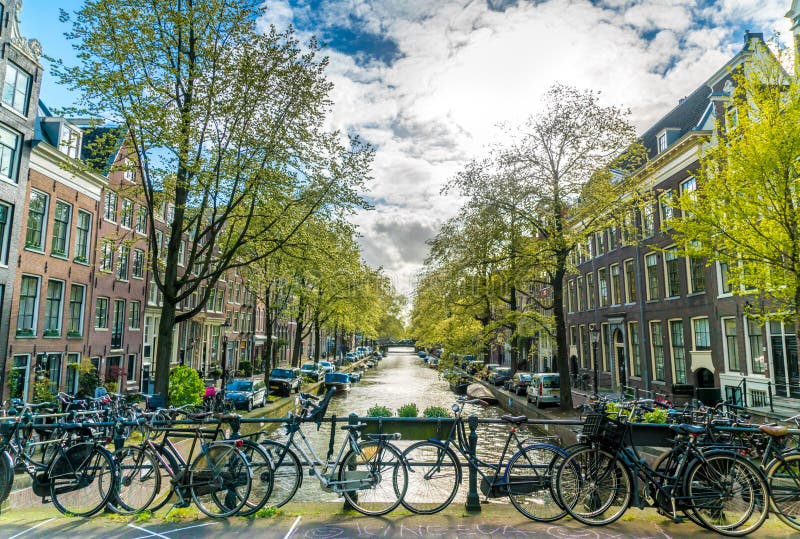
(131, 370)
(678, 351)
(602, 282)
(37, 219)
(590, 293)
(220, 299)
(101, 313)
(590, 248)
(236, 321)
(138, 263)
(181, 253)
(77, 293)
(672, 263)
(613, 238)
(755, 339)
(73, 373)
(702, 334)
(651, 269)
(128, 173)
(662, 142)
(657, 342)
(70, 142)
(5, 218)
(110, 207)
(123, 259)
(61, 226)
(106, 256)
(571, 297)
(28, 306)
(141, 220)
(9, 146)
(697, 274)
(15, 88)
(152, 292)
(635, 353)
(52, 308)
(601, 243)
(724, 277)
(667, 211)
(579, 294)
(118, 324)
(83, 235)
(731, 346)
(648, 221)
(126, 219)
(616, 285)
(689, 186)
(630, 281)
(133, 315)
(585, 351)
(52, 364)
(18, 377)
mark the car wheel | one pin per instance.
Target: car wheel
(528, 398)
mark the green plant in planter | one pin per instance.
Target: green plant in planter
(408, 410)
(659, 415)
(41, 390)
(436, 411)
(379, 411)
(87, 378)
(185, 386)
(613, 409)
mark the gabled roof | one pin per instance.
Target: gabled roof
(684, 117)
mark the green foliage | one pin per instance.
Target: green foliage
(41, 390)
(185, 386)
(408, 410)
(144, 516)
(265, 512)
(88, 378)
(379, 411)
(658, 415)
(111, 387)
(246, 368)
(613, 409)
(436, 411)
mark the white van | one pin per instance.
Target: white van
(544, 387)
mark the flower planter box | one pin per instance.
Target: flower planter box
(652, 435)
(24, 333)
(410, 428)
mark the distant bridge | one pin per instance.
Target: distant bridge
(393, 342)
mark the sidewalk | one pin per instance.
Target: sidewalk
(321, 521)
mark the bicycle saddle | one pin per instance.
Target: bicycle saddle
(388, 436)
(777, 431)
(514, 420)
(684, 428)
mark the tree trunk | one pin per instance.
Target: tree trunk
(316, 339)
(164, 349)
(298, 341)
(268, 324)
(561, 333)
(512, 305)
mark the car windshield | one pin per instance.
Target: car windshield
(550, 382)
(325, 363)
(240, 385)
(503, 371)
(281, 373)
(525, 377)
(308, 367)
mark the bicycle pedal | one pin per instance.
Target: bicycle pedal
(181, 504)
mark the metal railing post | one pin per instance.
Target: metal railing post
(352, 419)
(473, 501)
(769, 392)
(744, 392)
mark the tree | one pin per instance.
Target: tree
(745, 212)
(567, 168)
(224, 122)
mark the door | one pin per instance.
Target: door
(619, 354)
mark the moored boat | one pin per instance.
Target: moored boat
(478, 391)
(339, 380)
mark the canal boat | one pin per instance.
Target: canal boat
(478, 391)
(459, 383)
(355, 376)
(370, 364)
(340, 380)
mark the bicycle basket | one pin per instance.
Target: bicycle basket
(602, 430)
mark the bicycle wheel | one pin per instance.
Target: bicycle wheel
(287, 475)
(593, 486)
(82, 479)
(6, 475)
(261, 470)
(434, 473)
(167, 490)
(728, 493)
(219, 480)
(375, 476)
(666, 464)
(783, 478)
(138, 480)
(530, 476)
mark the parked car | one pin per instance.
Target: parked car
(350, 357)
(499, 376)
(488, 369)
(474, 367)
(544, 388)
(327, 366)
(519, 383)
(422, 353)
(246, 393)
(313, 371)
(285, 380)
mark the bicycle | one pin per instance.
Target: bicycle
(723, 490)
(78, 473)
(371, 474)
(436, 471)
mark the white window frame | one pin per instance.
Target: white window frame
(109, 209)
(37, 299)
(43, 235)
(83, 309)
(83, 257)
(60, 316)
(18, 72)
(695, 348)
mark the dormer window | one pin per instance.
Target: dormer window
(662, 142)
(70, 141)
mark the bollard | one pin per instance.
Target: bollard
(119, 434)
(352, 419)
(236, 424)
(473, 501)
(769, 390)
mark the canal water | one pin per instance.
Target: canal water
(400, 378)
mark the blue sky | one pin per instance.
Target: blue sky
(428, 81)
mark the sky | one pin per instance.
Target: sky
(428, 82)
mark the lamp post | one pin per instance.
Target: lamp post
(594, 332)
(224, 329)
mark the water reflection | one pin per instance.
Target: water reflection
(400, 378)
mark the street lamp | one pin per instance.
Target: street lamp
(594, 333)
(224, 329)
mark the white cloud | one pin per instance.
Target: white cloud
(462, 68)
